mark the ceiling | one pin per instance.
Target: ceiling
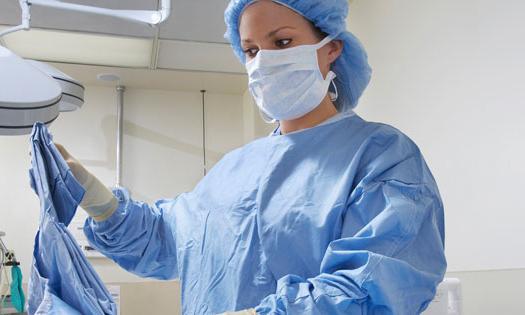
(190, 40)
(159, 79)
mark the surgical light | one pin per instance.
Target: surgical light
(72, 90)
(27, 95)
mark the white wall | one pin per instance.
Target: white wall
(450, 74)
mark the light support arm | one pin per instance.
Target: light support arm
(140, 16)
(26, 19)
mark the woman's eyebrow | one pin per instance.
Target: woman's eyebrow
(270, 34)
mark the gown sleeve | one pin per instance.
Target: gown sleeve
(138, 237)
(389, 258)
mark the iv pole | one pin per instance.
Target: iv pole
(141, 16)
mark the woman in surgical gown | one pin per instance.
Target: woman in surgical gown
(331, 214)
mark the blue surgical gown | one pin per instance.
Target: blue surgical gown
(62, 280)
(342, 218)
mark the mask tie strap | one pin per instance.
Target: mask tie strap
(324, 42)
(335, 94)
(267, 119)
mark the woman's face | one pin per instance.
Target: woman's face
(270, 26)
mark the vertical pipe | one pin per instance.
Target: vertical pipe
(205, 166)
(120, 130)
(3, 252)
(2, 245)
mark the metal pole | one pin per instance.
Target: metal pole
(3, 248)
(120, 131)
(203, 92)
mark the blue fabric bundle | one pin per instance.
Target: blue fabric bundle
(62, 280)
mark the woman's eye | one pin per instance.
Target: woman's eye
(283, 43)
(252, 52)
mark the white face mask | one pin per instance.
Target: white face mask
(287, 84)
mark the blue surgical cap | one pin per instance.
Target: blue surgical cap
(352, 68)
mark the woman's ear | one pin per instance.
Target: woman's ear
(336, 49)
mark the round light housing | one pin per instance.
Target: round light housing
(27, 95)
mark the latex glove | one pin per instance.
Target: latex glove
(99, 202)
(245, 312)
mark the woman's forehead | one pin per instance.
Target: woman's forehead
(269, 13)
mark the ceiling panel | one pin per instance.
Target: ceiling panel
(9, 12)
(196, 20)
(185, 55)
(82, 48)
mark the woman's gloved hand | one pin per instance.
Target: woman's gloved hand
(245, 312)
(99, 202)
